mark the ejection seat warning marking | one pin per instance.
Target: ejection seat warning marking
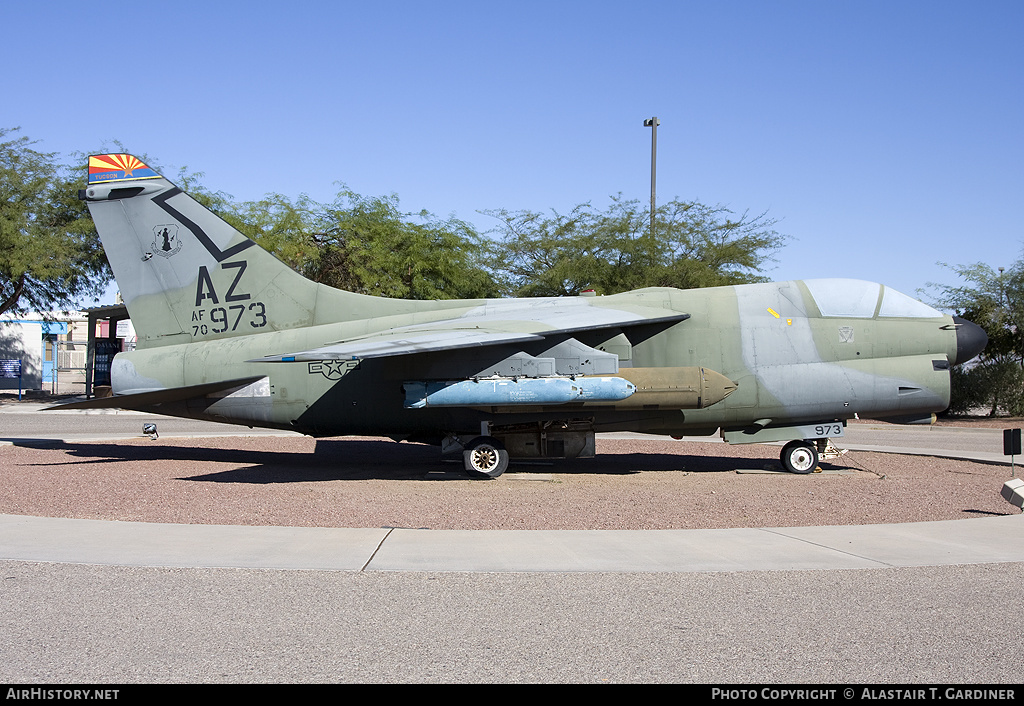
(221, 319)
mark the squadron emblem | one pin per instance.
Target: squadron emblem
(165, 240)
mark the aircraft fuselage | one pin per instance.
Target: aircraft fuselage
(227, 332)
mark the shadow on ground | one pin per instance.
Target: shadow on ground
(350, 459)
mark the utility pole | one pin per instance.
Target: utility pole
(653, 123)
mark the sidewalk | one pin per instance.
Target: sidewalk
(975, 541)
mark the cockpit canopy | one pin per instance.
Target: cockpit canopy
(857, 299)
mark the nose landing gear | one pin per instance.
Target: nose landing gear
(800, 456)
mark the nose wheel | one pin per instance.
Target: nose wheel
(800, 456)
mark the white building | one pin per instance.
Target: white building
(58, 350)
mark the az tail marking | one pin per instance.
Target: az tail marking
(206, 290)
(240, 265)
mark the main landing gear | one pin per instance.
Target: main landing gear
(485, 457)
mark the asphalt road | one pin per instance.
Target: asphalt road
(68, 622)
(114, 624)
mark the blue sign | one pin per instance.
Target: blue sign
(10, 368)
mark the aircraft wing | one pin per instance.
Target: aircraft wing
(153, 398)
(492, 324)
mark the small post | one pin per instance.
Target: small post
(1011, 447)
(653, 123)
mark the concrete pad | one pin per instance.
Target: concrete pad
(780, 472)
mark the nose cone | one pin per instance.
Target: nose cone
(971, 340)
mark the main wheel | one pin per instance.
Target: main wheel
(485, 457)
(799, 457)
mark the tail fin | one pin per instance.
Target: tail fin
(187, 275)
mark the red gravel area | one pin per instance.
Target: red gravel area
(632, 484)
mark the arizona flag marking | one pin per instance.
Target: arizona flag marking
(118, 167)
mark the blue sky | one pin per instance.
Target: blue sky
(884, 136)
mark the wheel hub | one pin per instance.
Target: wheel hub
(485, 458)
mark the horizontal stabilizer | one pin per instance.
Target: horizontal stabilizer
(142, 400)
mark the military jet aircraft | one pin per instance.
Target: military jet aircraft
(228, 333)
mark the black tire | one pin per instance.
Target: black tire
(800, 457)
(485, 457)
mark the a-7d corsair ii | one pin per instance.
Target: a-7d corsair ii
(226, 332)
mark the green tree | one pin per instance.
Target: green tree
(694, 245)
(50, 253)
(368, 245)
(995, 301)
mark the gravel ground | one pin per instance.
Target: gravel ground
(365, 482)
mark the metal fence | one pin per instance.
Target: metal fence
(68, 375)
